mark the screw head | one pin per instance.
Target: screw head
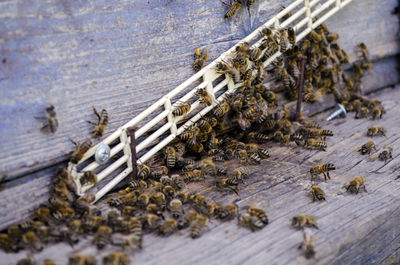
(339, 112)
(102, 154)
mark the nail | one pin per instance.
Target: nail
(102, 154)
(340, 112)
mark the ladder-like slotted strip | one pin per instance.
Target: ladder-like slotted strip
(308, 10)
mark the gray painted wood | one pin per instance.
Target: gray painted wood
(354, 229)
(123, 56)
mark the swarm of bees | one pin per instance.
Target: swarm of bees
(160, 200)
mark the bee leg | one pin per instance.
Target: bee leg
(235, 190)
(226, 3)
(325, 176)
(365, 189)
(329, 177)
(75, 143)
(45, 128)
(96, 113)
(315, 226)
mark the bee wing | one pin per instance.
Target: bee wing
(253, 17)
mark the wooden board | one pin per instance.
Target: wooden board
(354, 229)
(123, 56)
(20, 190)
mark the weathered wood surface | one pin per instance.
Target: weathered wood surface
(123, 56)
(354, 229)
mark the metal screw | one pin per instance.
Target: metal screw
(102, 153)
(340, 112)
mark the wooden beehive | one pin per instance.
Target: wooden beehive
(123, 57)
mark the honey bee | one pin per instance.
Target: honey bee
(31, 240)
(254, 157)
(356, 184)
(317, 193)
(254, 54)
(160, 200)
(136, 185)
(143, 171)
(176, 208)
(6, 243)
(331, 37)
(187, 219)
(261, 214)
(228, 212)
(102, 236)
(224, 68)
(376, 131)
(63, 214)
(177, 182)
(221, 110)
(302, 221)
(314, 144)
(208, 167)
(284, 42)
(170, 156)
(204, 96)
(169, 226)
(243, 48)
(291, 36)
(367, 148)
(43, 214)
(315, 37)
(233, 9)
(116, 258)
(28, 260)
(153, 221)
(229, 184)
(154, 209)
(308, 246)
(377, 112)
(68, 235)
(100, 125)
(81, 149)
(63, 175)
(195, 175)
(88, 178)
(183, 196)
(82, 204)
(386, 153)
(363, 50)
(63, 193)
(240, 173)
(325, 168)
(201, 56)
(51, 121)
(258, 137)
(250, 221)
(181, 109)
(48, 262)
(313, 133)
(189, 134)
(80, 259)
(92, 223)
(198, 225)
(362, 113)
(169, 191)
(135, 231)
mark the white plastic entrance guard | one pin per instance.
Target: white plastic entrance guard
(306, 16)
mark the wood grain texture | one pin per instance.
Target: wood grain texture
(123, 56)
(20, 189)
(354, 229)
